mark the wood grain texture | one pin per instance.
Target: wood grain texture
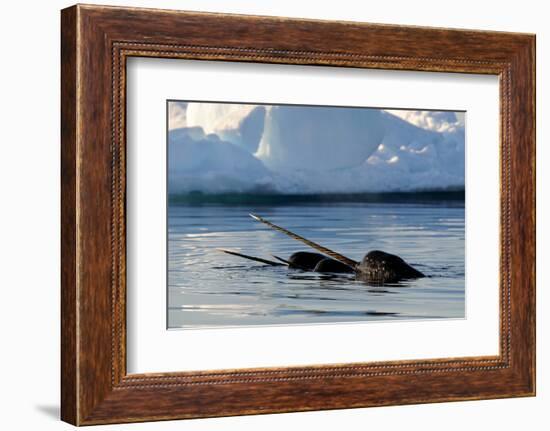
(96, 41)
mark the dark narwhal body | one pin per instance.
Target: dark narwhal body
(376, 267)
(317, 262)
(304, 260)
(333, 266)
(381, 267)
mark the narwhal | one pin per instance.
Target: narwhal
(375, 267)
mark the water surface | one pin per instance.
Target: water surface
(207, 288)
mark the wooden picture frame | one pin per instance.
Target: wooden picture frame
(95, 43)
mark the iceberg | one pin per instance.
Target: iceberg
(239, 124)
(206, 163)
(224, 147)
(318, 139)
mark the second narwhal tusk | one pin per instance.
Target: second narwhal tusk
(256, 259)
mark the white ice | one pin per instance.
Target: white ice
(299, 149)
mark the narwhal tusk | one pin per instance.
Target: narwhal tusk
(281, 259)
(257, 259)
(312, 244)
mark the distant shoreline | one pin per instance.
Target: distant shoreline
(455, 196)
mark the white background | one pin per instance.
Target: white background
(153, 349)
(29, 227)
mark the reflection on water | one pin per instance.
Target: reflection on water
(208, 288)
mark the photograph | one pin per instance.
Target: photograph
(287, 214)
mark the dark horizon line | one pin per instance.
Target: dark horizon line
(288, 198)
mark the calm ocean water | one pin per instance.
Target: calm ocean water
(207, 288)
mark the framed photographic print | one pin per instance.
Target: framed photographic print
(265, 215)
